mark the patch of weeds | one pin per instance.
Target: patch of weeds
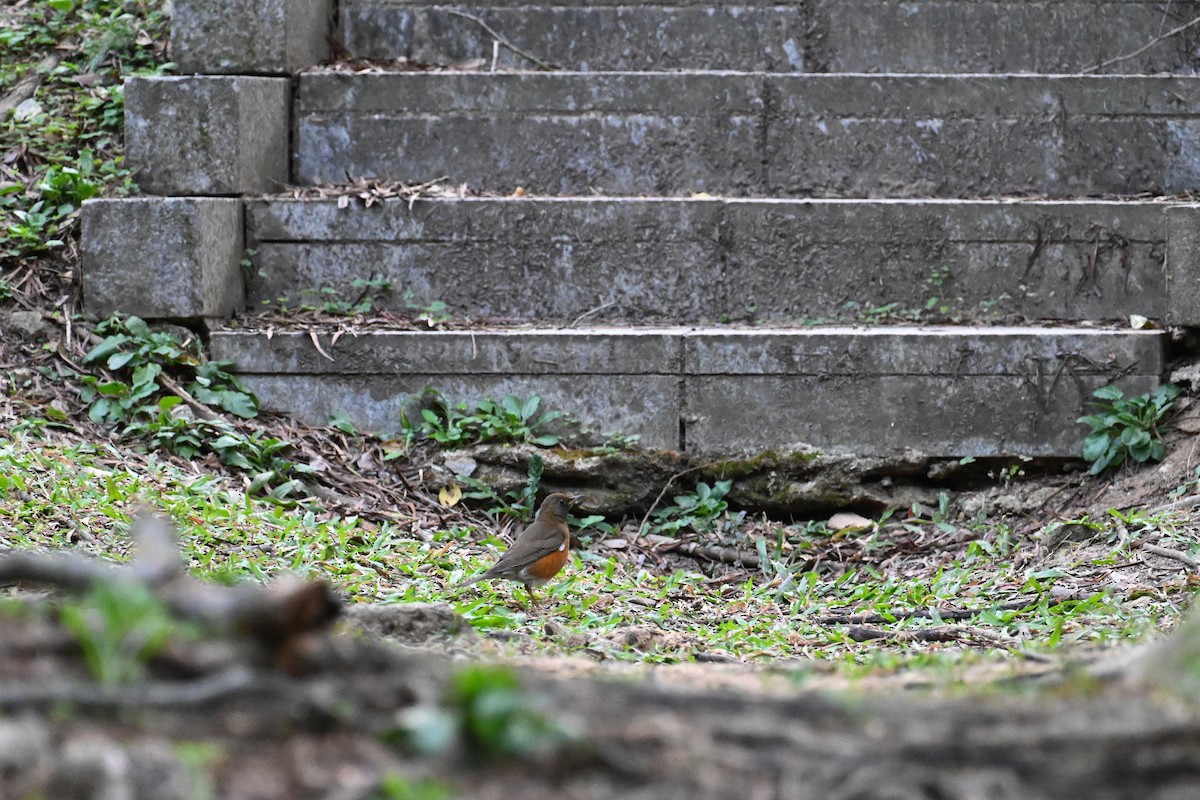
(1009, 473)
(1188, 486)
(145, 366)
(1126, 429)
(119, 628)
(498, 720)
(461, 424)
(368, 293)
(698, 510)
(70, 129)
(141, 356)
(198, 759)
(486, 713)
(434, 314)
(616, 443)
(518, 503)
(395, 786)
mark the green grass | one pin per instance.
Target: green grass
(57, 491)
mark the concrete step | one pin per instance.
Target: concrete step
(745, 134)
(943, 391)
(1047, 36)
(709, 260)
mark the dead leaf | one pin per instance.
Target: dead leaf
(846, 521)
(450, 495)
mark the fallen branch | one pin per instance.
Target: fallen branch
(725, 555)
(944, 633)
(503, 41)
(221, 685)
(1167, 552)
(279, 617)
(921, 613)
(27, 86)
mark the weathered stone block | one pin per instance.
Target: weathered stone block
(550, 260)
(605, 351)
(554, 133)
(273, 37)
(931, 36)
(1006, 36)
(940, 391)
(163, 258)
(647, 406)
(972, 136)
(709, 260)
(1183, 265)
(744, 135)
(937, 415)
(595, 37)
(208, 135)
(948, 392)
(617, 381)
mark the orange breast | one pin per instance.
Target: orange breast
(547, 567)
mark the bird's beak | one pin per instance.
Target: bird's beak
(576, 499)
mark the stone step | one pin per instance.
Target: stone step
(745, 134)
(942, 391)
(707, 261)
(968, 36)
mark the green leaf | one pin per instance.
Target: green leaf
(104, 349)
(137, 327)
(1108, 393)
(239, 404)
(146, 374)
(100, 410)
(1095, 446)
(118, 360)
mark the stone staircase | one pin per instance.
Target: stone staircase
(692, 255)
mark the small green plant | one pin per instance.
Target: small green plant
(138, 358)
(497, 719)
(517, 503)
(137, 394)
(367, 295)
(697, 510)
(119, 628)
(461, 424)
(434, 314)
(1126, 428)
(485, 713)
(395, 786)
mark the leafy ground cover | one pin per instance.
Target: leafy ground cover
(920, 587)
(103, 418)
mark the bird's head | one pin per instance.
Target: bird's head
(558, 505)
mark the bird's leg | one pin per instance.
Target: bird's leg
(532, 596)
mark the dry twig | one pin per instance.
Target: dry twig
(1157, 39)
(503, 41)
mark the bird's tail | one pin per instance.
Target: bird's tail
(476, 579)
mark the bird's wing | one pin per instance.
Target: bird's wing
(533, 544)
